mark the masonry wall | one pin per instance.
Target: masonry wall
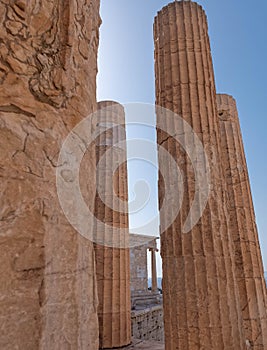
(48, 72)
(147, 324)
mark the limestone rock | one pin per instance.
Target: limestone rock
(48, 70)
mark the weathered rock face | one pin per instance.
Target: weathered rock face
(51, 47)
(242, 226)
(112, 262)
(201, 304)
(48, 68)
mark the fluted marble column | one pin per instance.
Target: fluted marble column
(112, 263)
(243, 229)
(201, 304)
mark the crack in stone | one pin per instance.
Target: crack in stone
(15, 109)
(51, 161)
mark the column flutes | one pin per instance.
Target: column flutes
(201, 303)
(112, 262)
(243, 229)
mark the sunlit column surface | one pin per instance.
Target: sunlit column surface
(112, 262)
(201, 304)
(242, 226)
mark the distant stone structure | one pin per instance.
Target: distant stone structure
(147, 308)
(140, 294)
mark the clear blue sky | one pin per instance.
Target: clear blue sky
(238, 35)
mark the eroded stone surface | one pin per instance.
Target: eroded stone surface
(48, 70)
(147, 324)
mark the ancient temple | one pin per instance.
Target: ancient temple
(141, 296)
(146, 296)
(58, 289)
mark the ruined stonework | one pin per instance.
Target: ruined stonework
(139, 273)
(200, 295)
(48, 67)
(112, 262)
(147, 308)
(141, 297)
(242, 226)
(58, 290)
(139, 263)
(147, 324)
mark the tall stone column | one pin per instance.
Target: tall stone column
(154, 271)
(112, 262)
(243, 229)
(48, 297)
(201, 304)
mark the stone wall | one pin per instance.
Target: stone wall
(147, 324)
